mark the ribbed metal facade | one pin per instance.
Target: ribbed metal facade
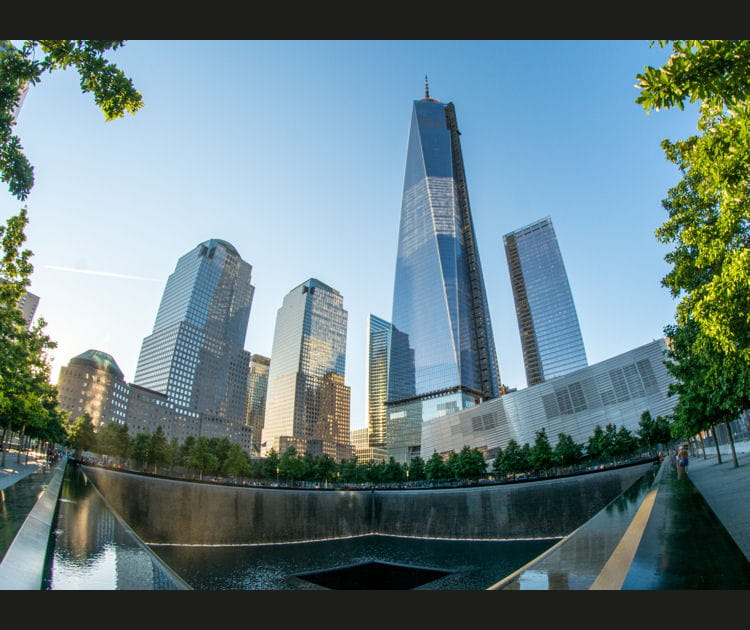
(616, 391)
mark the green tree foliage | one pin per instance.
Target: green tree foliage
(567, 452)
(394, 472)
(237, 463)
(653, 431)
(515, 459)
(436, 468)
(324, 468)
(186, 448)
(81, 435)
(202, 458)
(291, 465)
(28, 403)
(113, 92)
(624, 443)
(351, 471)
(417, 469)
(596, 445)
(140, 447)
(711, 387)
(113, 440)
(541, 456)
(470, 464)
(269, 467)
(157, 448)
(454, 465)
(707, 225)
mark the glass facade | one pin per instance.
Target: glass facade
(195, 354)
(257, 387)
(551, 338)
(442, 346)
(378, 346)
(307, 404)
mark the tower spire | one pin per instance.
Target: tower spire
(426, 88)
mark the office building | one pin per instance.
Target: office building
(92, 383)
(195, 354)
(257, 387)
(360, 439)
(28, 304)
(615, 391)
(307, 404)
(378, 347)
(551, 338)
(442, 348)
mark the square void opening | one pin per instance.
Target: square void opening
(374, 575)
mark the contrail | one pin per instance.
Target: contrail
(101, 273)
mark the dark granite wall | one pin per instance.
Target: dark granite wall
(179, 512)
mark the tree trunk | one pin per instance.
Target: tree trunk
(703, 446)
(735, 463)
(716, 441)
(20, 443)
(3, 445)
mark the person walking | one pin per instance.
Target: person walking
(682, 459)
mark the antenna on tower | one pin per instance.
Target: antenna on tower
(426, 88)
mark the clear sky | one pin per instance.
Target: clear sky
(294, 152)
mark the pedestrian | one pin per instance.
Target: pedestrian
(682, 459)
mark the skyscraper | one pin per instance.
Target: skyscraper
(28, 304)
(378, 347)
(442, 349)
(307, 404)
(547, 321)
(257, 387)
(195, 354)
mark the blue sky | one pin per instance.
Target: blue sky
(294, 152)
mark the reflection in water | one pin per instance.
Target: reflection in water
(575, 564)
(93, 550)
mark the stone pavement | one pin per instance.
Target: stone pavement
(14, 471)
(726, 489)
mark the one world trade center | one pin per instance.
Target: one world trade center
(442, 356)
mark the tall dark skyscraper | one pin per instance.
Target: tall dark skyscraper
(551, 338)
(195, 354)
(442, 348)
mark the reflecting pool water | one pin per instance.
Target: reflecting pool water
(94, 549)
(464, 565)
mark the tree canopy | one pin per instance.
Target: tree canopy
(28, 402)
(708, 226)
(21, 68)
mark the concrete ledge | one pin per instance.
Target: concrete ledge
(23, 565)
